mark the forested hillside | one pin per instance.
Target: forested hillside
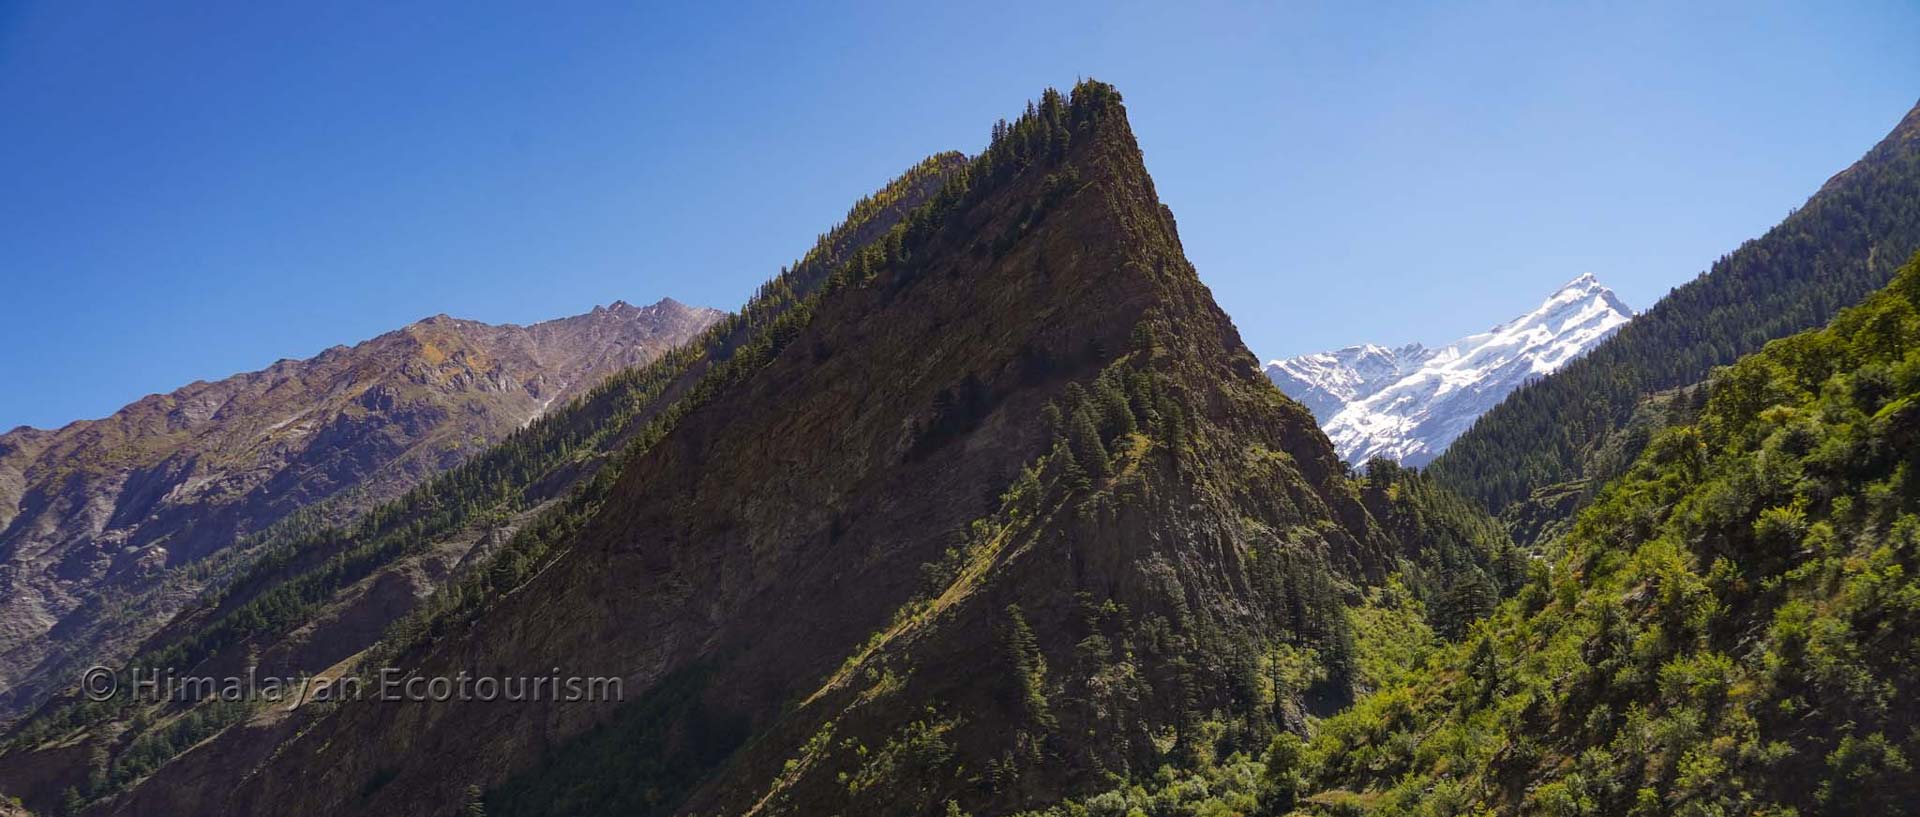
(1845, 242)
(1730, 629)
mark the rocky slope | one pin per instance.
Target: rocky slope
(1000, 509)
(1407, 404)
(102, 516)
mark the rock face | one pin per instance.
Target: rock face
(102, 515)
(1002, 507)
(1407, 404)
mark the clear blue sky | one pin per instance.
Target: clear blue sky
(189, 191)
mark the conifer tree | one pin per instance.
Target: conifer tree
(1116, 416)
(1088, 451)
(1029, 667)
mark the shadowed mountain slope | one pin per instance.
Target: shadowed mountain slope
(1002, 508)
(313, 595)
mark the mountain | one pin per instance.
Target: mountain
(1407, 404)
(1553, 442)
(989, 509)
(111, 525)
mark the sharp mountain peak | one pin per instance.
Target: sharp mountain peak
(1001, 366)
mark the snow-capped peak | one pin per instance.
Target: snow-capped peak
(1410, 402)
(1584, 282)
(1326, 381)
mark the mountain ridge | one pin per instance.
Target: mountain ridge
(666, 309)
(121, 502)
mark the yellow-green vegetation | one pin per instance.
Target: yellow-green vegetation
(918, 750)
(1237, 785)
(1459, 561)
(1730, 629)
(1391, 636)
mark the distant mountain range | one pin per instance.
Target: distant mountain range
(1408, 403)
(108, 509)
